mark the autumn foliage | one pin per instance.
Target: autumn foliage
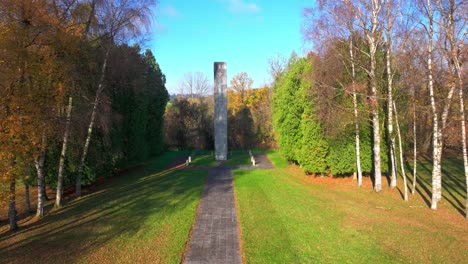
(54, 51)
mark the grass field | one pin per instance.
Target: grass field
(143, 216)
(235, 158)
(453, 183)
(287, 217)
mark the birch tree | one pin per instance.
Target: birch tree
(368, 14)
(390, 17)
(117, 20)
(431, 20)
(59, 193)
(400, 145)
(39, 164)
(454, 23)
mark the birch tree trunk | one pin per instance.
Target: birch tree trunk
(372, 42)
(39, 163)
(457, 66)
(400, 145)
(59, 194)
(445, 113)
(356, 115)
(455, 43)
(415, 150)
(12, 204)
(91, 124)
(388, 60)
(436, 141)
(463, 133)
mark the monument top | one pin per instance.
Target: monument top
(220, 65)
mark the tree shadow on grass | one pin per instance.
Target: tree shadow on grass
(88, 223)
(452, 186)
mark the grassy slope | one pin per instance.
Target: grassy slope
(235, 158)
(286, 219)
(144, 216)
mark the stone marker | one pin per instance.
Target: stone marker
(189, 159)
(220, 110)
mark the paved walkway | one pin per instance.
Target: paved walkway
(215, 238)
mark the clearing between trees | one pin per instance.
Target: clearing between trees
(145, 215)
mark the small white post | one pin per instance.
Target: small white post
(189, 159)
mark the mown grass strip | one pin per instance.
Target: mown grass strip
(286, 219)
(141, 217)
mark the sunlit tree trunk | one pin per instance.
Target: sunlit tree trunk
(445, 113)
(372, 42)
(388, 59)
(400, 145)
(356, 114)
(463, 133)
(58, 199)
(39, 163)
(91, 124)
(457, 66)
(436, 140)
(12, 204)
(455, 63)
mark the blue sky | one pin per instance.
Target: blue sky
(190, 35)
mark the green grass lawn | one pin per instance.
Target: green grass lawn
(453, 182)
(235, 158)
(142, 217)
(286, 217)
(204, 158)
(276, 158)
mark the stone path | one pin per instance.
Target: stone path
(215, 237)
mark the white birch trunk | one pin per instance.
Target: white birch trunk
(463, 134)
(39, 163)
(356, 116)
(456, 63)
(436, 149)
(400, 145)
(445, 113)
(388, 59)
(91, 124)
(58, 197)
(454, 66)
(371, 39)
(415, 151)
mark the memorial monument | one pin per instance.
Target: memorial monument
(220, 110)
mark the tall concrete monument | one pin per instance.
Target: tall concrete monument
(220, 110)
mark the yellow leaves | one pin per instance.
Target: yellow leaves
(252, 98)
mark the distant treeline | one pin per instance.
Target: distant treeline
(189, 120)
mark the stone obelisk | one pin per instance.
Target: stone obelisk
(220, 110)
